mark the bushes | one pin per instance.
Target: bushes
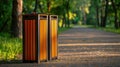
(10, 48)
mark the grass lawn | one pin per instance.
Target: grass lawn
(107, 29)
(60, 30)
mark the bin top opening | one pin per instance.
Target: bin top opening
(33, 14)
(53, 16)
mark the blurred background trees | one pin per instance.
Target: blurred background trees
(99, 13)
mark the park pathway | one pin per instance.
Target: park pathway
(83, 47)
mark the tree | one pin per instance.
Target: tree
(5, 15)
(48, 6)
(116, 23)
(105, 16)
(16, 25)
(36, 4)
(67, 9)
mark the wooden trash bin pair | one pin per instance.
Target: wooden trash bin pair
(39, 37)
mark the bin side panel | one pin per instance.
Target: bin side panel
(54, 38)
(43, 39)
(25, 44)
(30, 44)
(34, 39)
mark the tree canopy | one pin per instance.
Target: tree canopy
(101, 13)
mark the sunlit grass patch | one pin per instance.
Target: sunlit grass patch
(10, 48)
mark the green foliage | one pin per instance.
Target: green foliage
(5, 13)
(10, 48)
(28, 6)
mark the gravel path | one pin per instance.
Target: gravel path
(86, 35)
(83, 47)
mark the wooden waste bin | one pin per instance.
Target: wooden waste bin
(53, 37)
(35, 38)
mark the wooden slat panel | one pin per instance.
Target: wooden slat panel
(31, 45)
(34, 44)
(27, 47)
(29, 38)
(25, 39)
(43, 39)
(28, 44)
(54, 38)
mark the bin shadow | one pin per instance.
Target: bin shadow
(11, 62)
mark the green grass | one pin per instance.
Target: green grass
(107, 29)
(60, 30)
(10, 48)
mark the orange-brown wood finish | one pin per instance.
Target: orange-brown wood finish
(53, 37)
(35, 39)
(43, 39)
(29, 39)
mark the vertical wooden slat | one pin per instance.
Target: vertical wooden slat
(52, 38)
(55, 22)
(45, 39)
(29, 26)
(29, 49)
(34, 32)
(41, 39)
(25, 39)
(30, 39)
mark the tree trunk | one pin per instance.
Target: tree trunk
(84, 18)
(64, 24)
(116, 24)
(97, 15)
(36, 3)
(48, 5)
(68, 21)
(16, 25)
(101, 15)
(106, 13)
